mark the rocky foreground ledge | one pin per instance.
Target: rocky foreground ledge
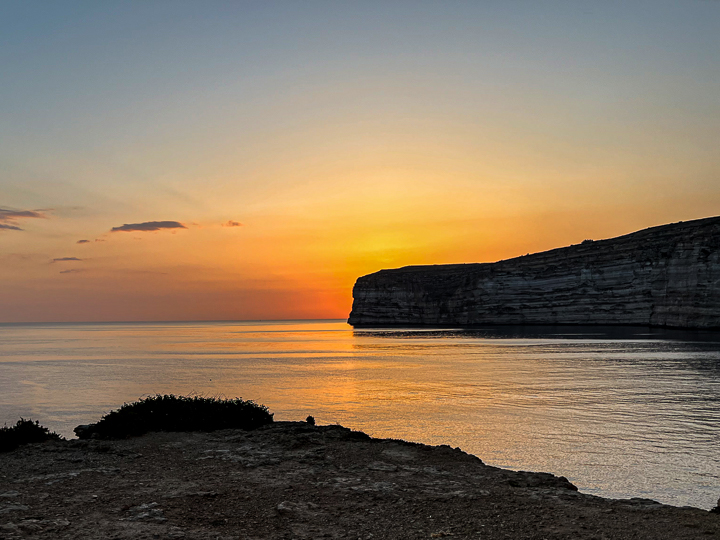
(295, 480)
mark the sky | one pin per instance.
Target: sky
(249, 160)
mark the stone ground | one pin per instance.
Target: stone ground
(291, 480)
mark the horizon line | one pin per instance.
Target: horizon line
(168, 321)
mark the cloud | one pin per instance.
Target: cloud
(232, 223)
(72, 271)
(9, 218)
(66, 259)
(6, 214)
(149, 226)
(82, 241)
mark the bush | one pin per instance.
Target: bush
(24, 432)
(177, 413)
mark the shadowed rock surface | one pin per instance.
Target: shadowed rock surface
(292, 480)
(663, 276)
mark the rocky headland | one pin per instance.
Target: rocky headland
(290, 480)
(666, 276)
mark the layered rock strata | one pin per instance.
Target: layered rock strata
(662, 276)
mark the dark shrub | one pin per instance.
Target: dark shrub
(24, 432)
(177, 413)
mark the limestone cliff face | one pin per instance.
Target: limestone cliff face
(662, 276)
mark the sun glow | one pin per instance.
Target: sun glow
(255, 170)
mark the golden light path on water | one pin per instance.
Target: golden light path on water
(620, 412)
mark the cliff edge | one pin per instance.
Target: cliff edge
(662, 276)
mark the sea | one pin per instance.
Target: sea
(621, 412)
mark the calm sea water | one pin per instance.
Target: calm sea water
(621, 413)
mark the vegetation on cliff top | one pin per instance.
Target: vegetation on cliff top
(177, 413)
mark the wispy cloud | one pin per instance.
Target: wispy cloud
(10, 217)
(6, 213)
(65, 259)
(231, 223)
(72, 271)
(82, 242)
(149, 226)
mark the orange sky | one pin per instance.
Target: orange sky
(340, 140)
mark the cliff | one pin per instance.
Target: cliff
(661, 276)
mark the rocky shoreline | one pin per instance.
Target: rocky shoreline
(295, 480)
